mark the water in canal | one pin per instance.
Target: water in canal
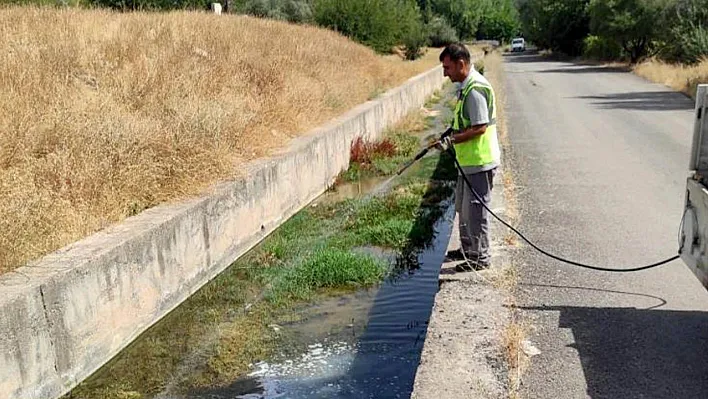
(363, 345)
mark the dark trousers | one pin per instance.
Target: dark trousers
(473, 218)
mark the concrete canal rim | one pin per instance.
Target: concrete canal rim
(73, 310)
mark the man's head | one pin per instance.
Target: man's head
(456, 62)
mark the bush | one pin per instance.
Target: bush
(440, 32)
(688, 37)
(153, 4)
(601, 48)
(415, 41)
(379, 24)
(298, 11)
(290, 10)
(693, 45)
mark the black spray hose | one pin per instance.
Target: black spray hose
(451, 150)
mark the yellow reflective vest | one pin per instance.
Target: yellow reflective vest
(483, 149)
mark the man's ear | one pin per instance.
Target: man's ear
(462, 64)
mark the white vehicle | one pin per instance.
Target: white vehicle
(694, 235)
(518, 44)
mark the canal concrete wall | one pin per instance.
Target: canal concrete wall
(67, 314)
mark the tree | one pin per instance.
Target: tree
(500, 21)
(380, 24)
(440, 32)
(687, 40)
(634, 24)
(559, 25)
(463, 15)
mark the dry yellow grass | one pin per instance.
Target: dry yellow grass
(513, 339)
(683, 78)
(104, 114)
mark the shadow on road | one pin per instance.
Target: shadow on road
(639, 353)
(527, 56)
(579, 68)
(565, 65)
(643, 100)
(660, 301)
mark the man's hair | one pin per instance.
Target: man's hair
(456, 52)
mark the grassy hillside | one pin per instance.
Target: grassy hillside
(105, 114)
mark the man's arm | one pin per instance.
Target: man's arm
(469, 133)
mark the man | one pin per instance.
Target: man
(477, 150)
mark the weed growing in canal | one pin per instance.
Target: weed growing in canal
(379, 158)
(386, 156)
(324, 268)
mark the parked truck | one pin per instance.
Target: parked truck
(694, 224)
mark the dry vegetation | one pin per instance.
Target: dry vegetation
(683, 78)
(506, 278)
(105, 114)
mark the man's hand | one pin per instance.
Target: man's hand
(444, 143)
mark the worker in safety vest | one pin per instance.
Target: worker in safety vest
(477, 150)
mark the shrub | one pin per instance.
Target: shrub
(298, 11)
(601, 48)
(364, 152)
(688, 37)
(440, 32)
(291, 10)
(153, 4)
(414, 42)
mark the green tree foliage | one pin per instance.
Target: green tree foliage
(676, 30)
(634, 24)
(560, 25)
(380, 24)
(463, 15)
(415, 41)
(601, 48)
(290, 10)
(153, 4)
(440, 32)
(500, 21)
(687, 40)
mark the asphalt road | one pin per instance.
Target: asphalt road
(600, 157)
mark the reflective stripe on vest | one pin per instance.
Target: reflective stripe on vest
(483, 149)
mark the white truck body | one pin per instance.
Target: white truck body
(518, 44)
(694, 230)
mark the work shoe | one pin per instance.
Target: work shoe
(454, 255)
(469, 266)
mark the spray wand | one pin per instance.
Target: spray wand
(425, 150)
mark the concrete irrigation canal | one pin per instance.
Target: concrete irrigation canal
(333, 304)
